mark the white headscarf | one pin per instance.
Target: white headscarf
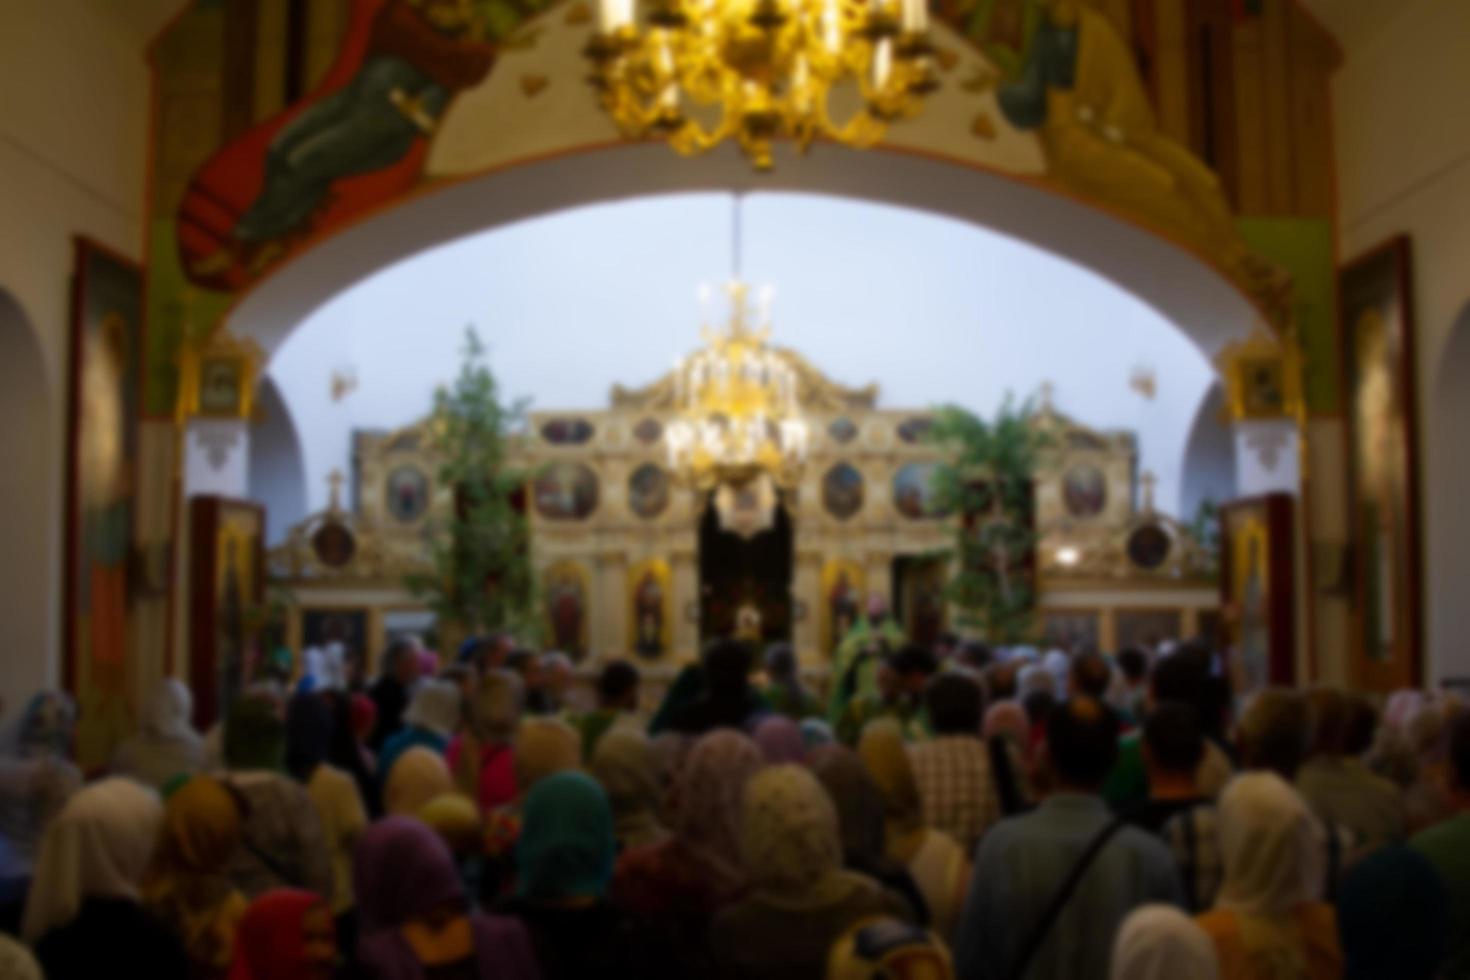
(16, 962)
(98, 847)
(166, 744)
(1159, 942)
(1271, 845)
(435, 708)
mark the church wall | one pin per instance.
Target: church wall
(1403, 150)
(73, 132)
(277, 475)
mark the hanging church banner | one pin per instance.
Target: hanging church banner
(1377, 344)
(106, 344)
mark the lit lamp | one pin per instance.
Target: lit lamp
(767, 70)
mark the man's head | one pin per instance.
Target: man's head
(1173, 742)
(1081, 743)
(726, 667)
(557, 672)
(877, 607)
(617, 686)
(401, 660)
(913, 665)
(1187, 675)
(781, 662)
(1091, 674)
(956, 705)
(974, 655)
(1275, 732)
(1133, 662)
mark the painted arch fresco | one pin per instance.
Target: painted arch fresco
(410, 94)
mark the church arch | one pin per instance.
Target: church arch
(1446, 471)
(277, 472)
(1182, 287)
(30, 507)
(1208, 472)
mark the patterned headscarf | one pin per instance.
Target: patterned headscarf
(44, 729)
(567, 846)
(418, 776)
(790, 841)
(780, 740)
(625, 766)
(857, 800)
(711, 787)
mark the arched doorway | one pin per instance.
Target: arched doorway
(1208, 473)
(1447, 474)
(277, 475)
(29, 509)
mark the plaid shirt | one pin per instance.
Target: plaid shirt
(956, 786)
(1194, 837)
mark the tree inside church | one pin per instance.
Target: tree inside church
(987, 480)
(481, 579)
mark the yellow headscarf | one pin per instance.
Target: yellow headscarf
(186, 885)
(886, 758)
(417, 777)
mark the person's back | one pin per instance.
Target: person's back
(953, 771)
(1023, 862)
(1173, 746)
(1335, 781)
(1447, 846)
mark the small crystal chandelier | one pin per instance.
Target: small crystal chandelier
(771, 69)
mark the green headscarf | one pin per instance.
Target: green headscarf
(567, 846)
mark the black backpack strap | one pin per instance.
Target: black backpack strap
(1062, 896)
(1191, 872)
(1003, 777)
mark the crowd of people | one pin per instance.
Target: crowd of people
(990, 814)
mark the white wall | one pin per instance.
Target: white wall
(933, 309)
(277, 476)
(1403, 149)
(1209, 458)
(73, 127)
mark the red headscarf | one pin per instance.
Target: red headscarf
(271, 940)
(364, 715)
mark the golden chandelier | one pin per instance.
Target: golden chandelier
(738, 412)
(698, 72)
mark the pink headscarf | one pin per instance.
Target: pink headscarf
(780, 740)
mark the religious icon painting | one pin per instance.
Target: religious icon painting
(842, 430)
(221, 386)
(226, 583)
(1377, 344)
(106, 338)
(1084, 490)
(914, 491)
(648, 491)
(650, 627)
(566, 492)
(1148, 546)
(843, 582)
(1256, 586)
(916, 429)
(648, 431)
(406, 494)
(842, 491)
(567, 432)
(565, 590)
(1263, 393)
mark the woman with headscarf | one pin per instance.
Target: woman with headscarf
(286, 934)
(432, 719)
(457, 820)
(1268, 922)
(416, 921)
(543, 747)
(938, 865)
(623, 763)
(166, 745)
(564, 863)
(801, 900)
(1393, 916)
(186, 886)
(780, 740)
(36, 780)
(84, 911)
(481, 758)
(418, 777)
(282, 844)
(309, 727)
(863, 829)
(1159, 942)
(682, 882)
